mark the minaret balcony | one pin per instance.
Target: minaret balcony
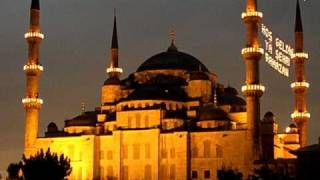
(252, 17)
(300, 115)
(252, 53)
(253, 89)
(32, 102)
(33, 67)
(114, 70)
(301, 55)
(300, 85)
(29, 35)
(252, 14)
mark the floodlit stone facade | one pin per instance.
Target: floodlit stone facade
(171, 119)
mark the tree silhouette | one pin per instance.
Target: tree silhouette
(13, 171)
(265, 173)
(229, 174)
(46, 165)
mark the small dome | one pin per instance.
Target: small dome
(269, 117)
(85, 119)
(52, 127)
(172, 59)
(292, 129)
(293, 125)
(210, 112)
(231, 91)
(229, 99)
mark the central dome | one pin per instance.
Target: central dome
(172, 59)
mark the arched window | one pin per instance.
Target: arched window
(194, 152)
(138, 123)
(206, 148)
(136, 151)
(110, 173)
(125, 151)
(219, 151)
(172, 153)
(147, 172)
(101, 171)
(109, 155)
(129, 122)
(172, 171)
(146, 121)
(125, 171)
(163, 171)
(147, 151)
(138, 120)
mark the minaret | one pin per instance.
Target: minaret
(252, 89)
(300, 115)
(113, 70)
(111, 89)
(32, 103)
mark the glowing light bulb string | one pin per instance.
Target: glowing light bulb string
(278, 53)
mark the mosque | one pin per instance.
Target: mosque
(172, 118)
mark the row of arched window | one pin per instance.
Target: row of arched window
(207, 151)
(135, 151)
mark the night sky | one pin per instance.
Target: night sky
(75, 53)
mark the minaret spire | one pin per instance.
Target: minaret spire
(111, 89)
(114, 44)
(35, 4)
(252, 89)
(298, 24)
(32, 103)
(114, 70)
(300, 115)
(298, 30)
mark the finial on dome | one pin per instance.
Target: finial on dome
(173, 40)
(173, 35)
(215, 99)
(83, 107)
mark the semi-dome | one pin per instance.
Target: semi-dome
(210, 112)
(229, 99)
(172, 59)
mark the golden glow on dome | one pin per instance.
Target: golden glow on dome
(114, 70)
(252, 50)
(32, 100)
(300, 55)
(251, 14)
(33, 67)
(296, 115)
(300, 84)
(253, 87)
(33, 35)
